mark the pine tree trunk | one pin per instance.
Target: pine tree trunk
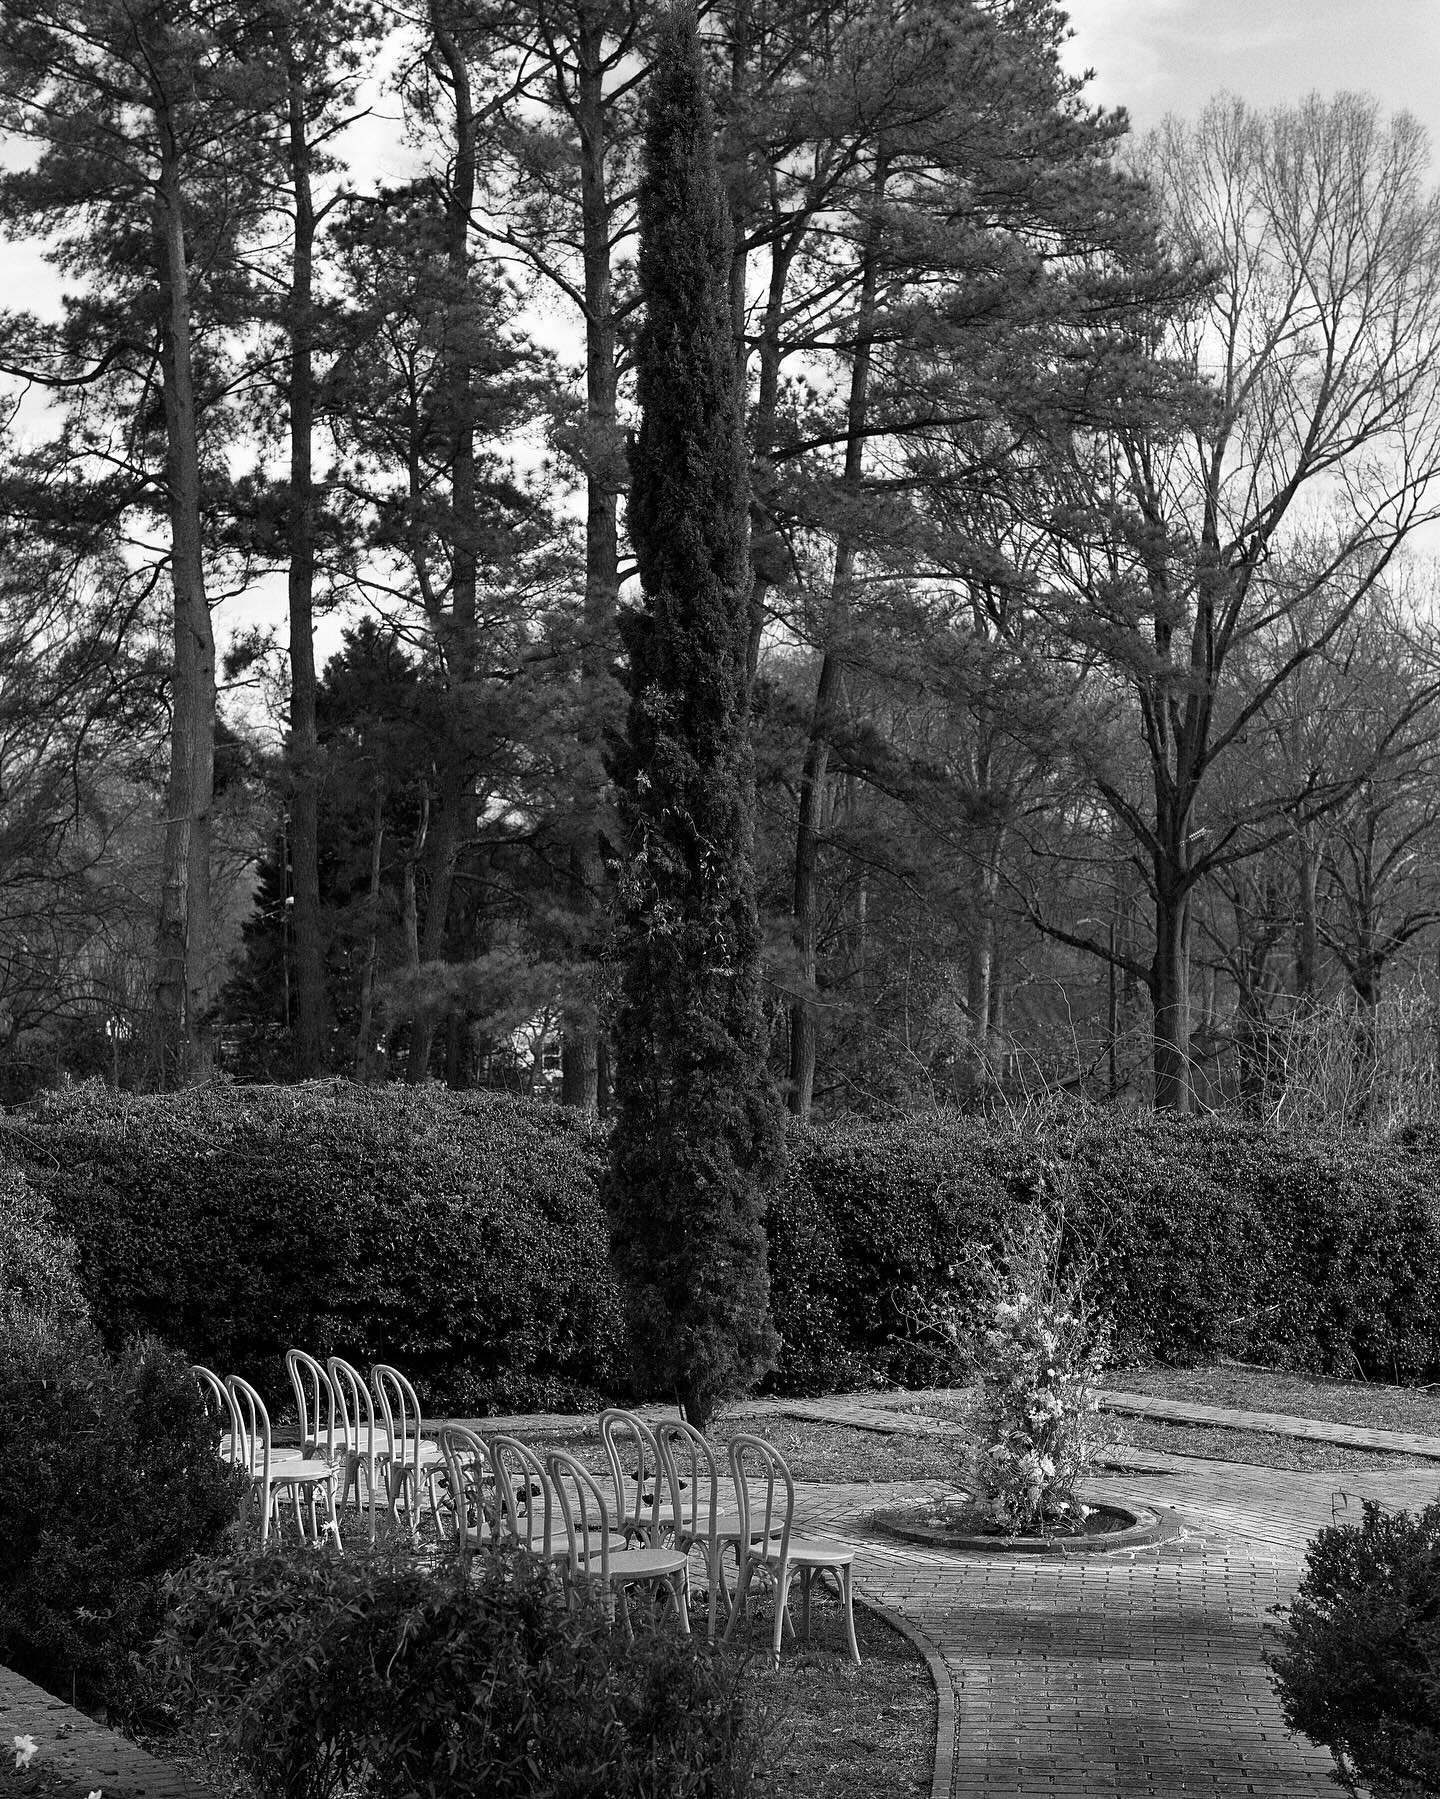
(455, 802)
(372, 938)
(183, 972)
(580, 1047)
(806, 897)
(310, 996)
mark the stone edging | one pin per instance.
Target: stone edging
(947, 1715)
(1151, 1526)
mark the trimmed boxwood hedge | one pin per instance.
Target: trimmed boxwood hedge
(454, 1234)
(461, 1236)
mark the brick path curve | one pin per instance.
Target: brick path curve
(1134, 1673)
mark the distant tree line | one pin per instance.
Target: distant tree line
(1091, 679)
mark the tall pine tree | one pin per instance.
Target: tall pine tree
(698, 1137)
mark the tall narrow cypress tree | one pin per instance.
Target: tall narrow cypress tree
(698, 1138)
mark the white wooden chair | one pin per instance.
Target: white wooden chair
(524, 1498)
(782, 1556)
(361, 1440)
(315, 1405)
(697, 1513)
(636, 1475)
(581, 1504)
(270, 1477)
(411, 1461)
(472, 1508)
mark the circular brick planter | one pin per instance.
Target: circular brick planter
(1136, 1526)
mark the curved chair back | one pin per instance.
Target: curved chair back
(524, 1497)
(314, 1395)
(637, 1475)
(759, 1521)
(468, 1470)
(581, 1504)
(692, 1477)
(354, 1408)
(254, 1426)
(213, 1389)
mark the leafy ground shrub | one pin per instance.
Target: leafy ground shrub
(109, 1480)
(371, 1675)
(457, 1235)
(1358, 1669)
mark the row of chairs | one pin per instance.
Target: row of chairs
(351, 1433)
(665, 1498)
(665, 1502)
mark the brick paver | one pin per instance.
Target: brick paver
(89, 1756)
(1138, 1673)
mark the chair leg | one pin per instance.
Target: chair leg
(782, 1606)
(805, 1576)
(680, 1582)
(741, 1595)
(845, 1581)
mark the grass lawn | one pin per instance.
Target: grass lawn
(1253, 1389)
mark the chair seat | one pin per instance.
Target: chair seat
(615, 1543)
(301, 1471)
(808, 1552)
(642, 1564)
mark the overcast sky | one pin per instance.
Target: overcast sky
(1159, 56)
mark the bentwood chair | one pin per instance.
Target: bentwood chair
(699, 1515)
(315, 1405)
(270, 1477)
(790, 1556)
(412, 1462)
(525, 1502)
(361, 1439)
(470, 1510)
(581, 1504)
(636, 1475)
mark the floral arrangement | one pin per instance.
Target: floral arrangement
(1039, 1366)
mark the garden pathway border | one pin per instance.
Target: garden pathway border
(84, 1752)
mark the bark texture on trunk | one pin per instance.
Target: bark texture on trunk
(580, 1032)
(183, 965)
(806, 897)
(453, 818)
(310, 996)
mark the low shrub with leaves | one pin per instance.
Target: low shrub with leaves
(1358, 1667)
(109, 1480)
(371, 1675)
(1039, 1370)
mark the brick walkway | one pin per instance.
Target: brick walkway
(1139, 1673)
(1135, 1673)
(89, 1756)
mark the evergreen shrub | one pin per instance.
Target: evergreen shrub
(1199, 1237)
(109, 1480)
(1358, 1666)
(457, 1235)
(372, 1675)
(37, 1260)
(462, 1236)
